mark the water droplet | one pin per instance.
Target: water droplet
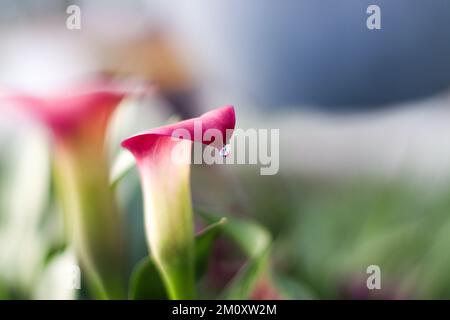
(225, 151)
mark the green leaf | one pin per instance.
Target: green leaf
(146, 282)
(255, 242)
(291, 288)
(203, 245)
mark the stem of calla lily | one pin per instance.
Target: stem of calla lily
(91, 219)
(167, 198)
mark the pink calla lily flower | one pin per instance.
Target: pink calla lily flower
(78, 121)
(71, 112)
(166, 190)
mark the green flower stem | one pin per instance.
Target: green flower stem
(91, 217)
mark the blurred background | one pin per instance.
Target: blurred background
(363, 117)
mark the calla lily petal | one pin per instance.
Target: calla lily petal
(65, 113)
(166, 191)
(221, 119)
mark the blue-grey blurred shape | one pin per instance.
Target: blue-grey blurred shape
(295, 52)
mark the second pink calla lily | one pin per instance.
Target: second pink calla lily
(77, 120)
(165, 181)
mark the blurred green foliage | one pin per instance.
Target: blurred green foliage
(329, 232)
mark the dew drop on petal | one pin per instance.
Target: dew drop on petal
(225, 151)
